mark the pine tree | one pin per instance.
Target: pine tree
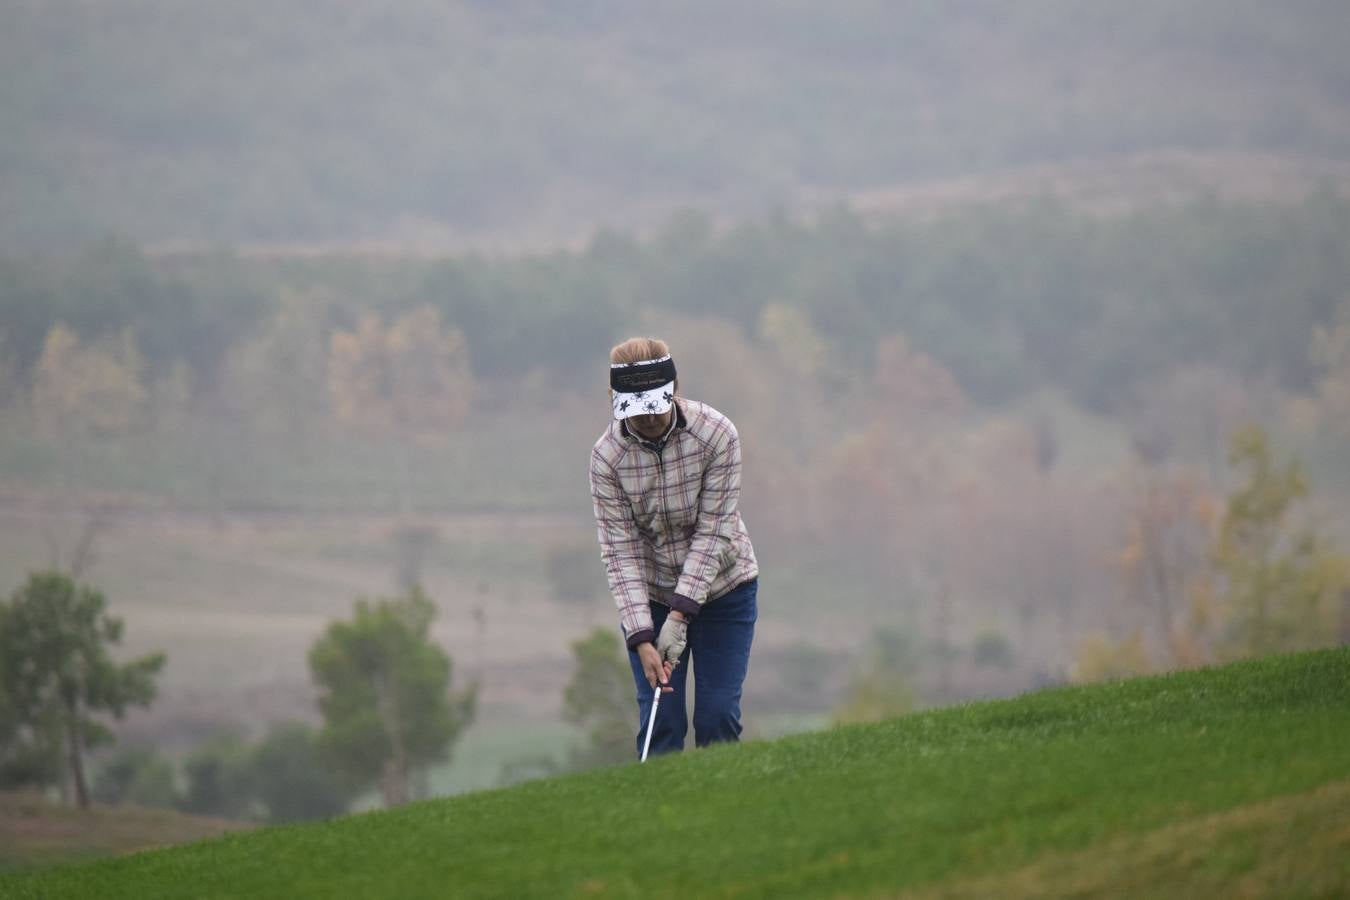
(56, 671)
(384, 691)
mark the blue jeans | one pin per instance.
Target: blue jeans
(719, 643)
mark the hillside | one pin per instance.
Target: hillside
(344, 120)
(1221, 781)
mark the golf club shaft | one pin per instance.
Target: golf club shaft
(651, 721)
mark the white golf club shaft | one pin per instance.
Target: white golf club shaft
(651, 722)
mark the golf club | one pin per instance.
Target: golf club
(651, 721)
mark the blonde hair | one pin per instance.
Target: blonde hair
(640, 349)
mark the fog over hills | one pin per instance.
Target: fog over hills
(244, 121)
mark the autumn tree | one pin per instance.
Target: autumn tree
(803, 387)
(598, 699)
(384, 691)
(912, 382)
(720, 366)
(1165, 565)
(902, 457)
(278, 375)
(889, 491)
(790, 335)
(88, 389)
(1281, 584)
(760, 384)
(56, 671)
(407, 382)
(411, 377)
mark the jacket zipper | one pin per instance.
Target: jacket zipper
(661, 490)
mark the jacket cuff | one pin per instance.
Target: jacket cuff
(689, 607)
(641, 636)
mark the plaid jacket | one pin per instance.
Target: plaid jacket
(668, 518)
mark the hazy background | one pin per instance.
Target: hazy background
(309, 301)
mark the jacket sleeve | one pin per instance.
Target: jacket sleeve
(621, 550)
(715, 527)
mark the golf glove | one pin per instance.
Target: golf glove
(670, 642)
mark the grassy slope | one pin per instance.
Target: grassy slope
(1224, 778)
(1296, 845)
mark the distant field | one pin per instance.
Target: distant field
(237, 604)
(1121, 183)
(34, 833)
(227, 473)
(1231, 781)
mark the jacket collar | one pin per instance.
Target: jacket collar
(659, 444)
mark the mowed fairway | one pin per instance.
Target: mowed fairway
(1228, 781)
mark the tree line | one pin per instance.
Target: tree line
(1008, 299)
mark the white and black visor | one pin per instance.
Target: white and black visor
(643, 388)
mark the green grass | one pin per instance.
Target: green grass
(1210, 781)
(1292, 846)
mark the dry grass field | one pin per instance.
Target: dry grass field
(34, 832)
(237, 603)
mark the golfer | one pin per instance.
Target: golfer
(665, 485)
